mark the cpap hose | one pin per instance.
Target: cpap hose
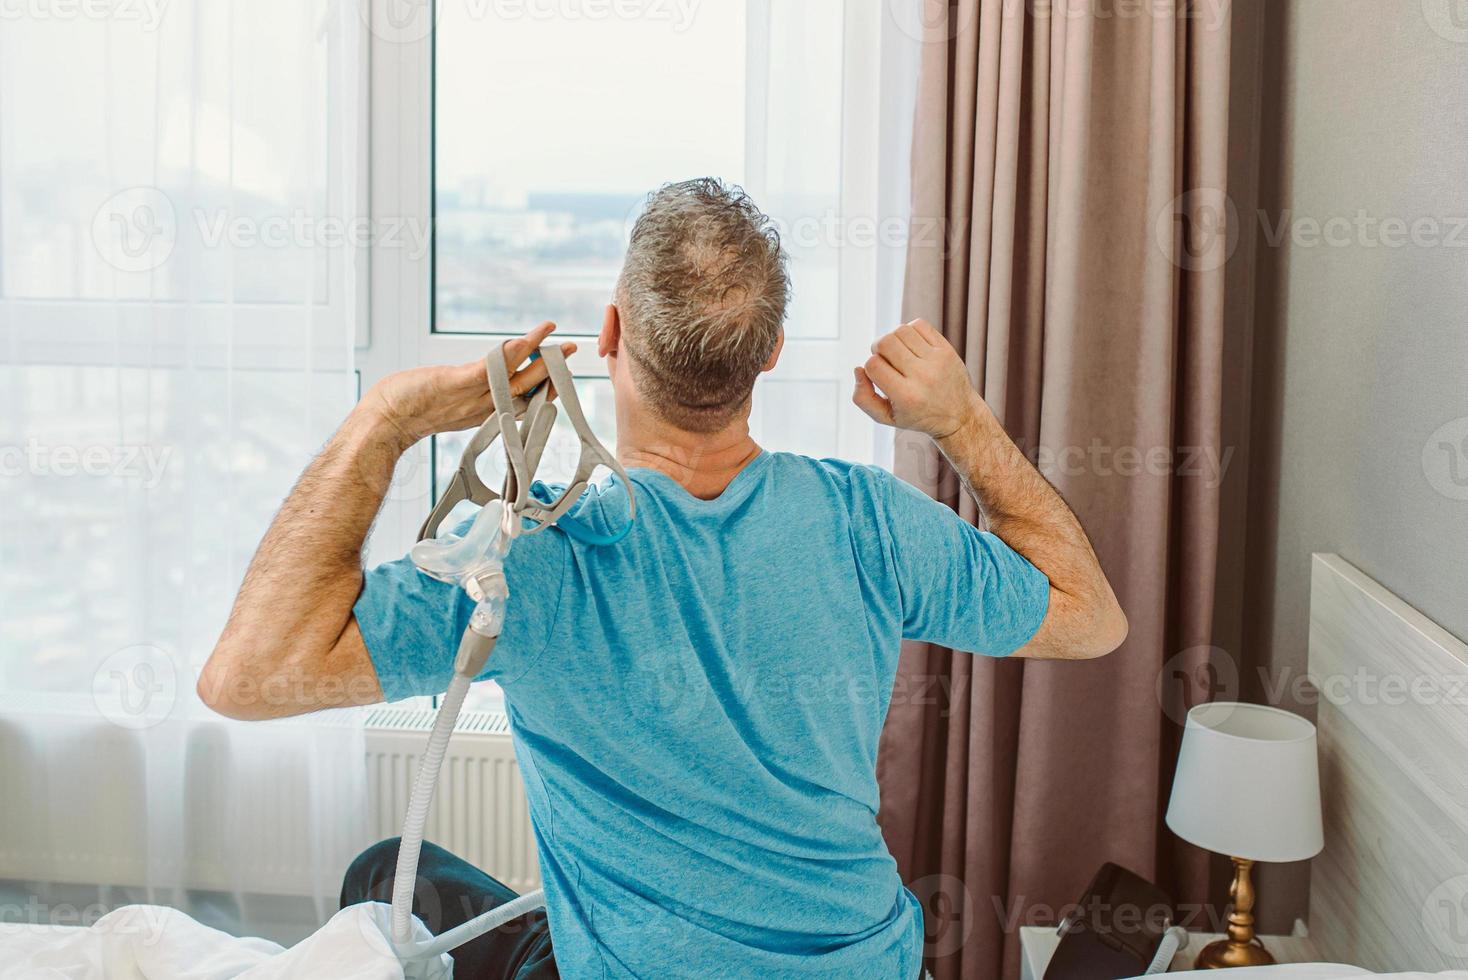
(474, 928)
(475, 562)
(411, 845)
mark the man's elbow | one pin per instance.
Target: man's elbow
(221, 689)
(1108, 633)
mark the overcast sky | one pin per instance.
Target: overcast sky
(582, 104)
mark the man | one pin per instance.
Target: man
(696, 708)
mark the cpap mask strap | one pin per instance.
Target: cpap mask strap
(524, 423)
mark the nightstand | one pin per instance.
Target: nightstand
(1037, 945)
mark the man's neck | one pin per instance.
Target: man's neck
(704, 463)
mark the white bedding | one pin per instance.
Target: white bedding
(1282, 971)
(1311, 971)
(148, 942)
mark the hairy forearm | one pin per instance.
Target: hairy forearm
(1025, 511)
(298, 593)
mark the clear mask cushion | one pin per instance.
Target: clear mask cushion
(453, 558)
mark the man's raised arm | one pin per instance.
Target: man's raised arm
(291, 645)
(925, 387)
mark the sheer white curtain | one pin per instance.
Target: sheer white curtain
(181, 251)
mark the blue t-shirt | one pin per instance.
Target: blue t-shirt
(696, 709)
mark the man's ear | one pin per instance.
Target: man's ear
(775, 354)
(611, 332)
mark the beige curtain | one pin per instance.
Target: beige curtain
(1056, 245)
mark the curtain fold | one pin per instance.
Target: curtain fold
(1068, 153)
(179, 251)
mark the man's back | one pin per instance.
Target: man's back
(697, 708)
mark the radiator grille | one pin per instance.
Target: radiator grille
(479, 813)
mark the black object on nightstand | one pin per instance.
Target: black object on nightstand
(1115, 929)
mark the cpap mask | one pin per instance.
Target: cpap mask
(475, 562)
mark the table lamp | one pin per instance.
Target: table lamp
(1247, 786)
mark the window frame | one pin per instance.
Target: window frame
(398, 331)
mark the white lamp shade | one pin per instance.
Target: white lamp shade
(1247, 783)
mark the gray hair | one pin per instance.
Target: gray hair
(702, 299)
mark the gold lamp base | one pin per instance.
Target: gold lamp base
(1242, 947)
(1227, 953)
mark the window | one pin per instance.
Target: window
(176, 324)
(547, 134)
(527, 134)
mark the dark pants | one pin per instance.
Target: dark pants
(450, 892)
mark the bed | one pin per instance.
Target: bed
(1389, 893)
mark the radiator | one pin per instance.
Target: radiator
(479, 813)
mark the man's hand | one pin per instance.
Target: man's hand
(421, 402)
(925, 387)
(291, 645)
(925, 384)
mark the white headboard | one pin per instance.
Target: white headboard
(1390, 890)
